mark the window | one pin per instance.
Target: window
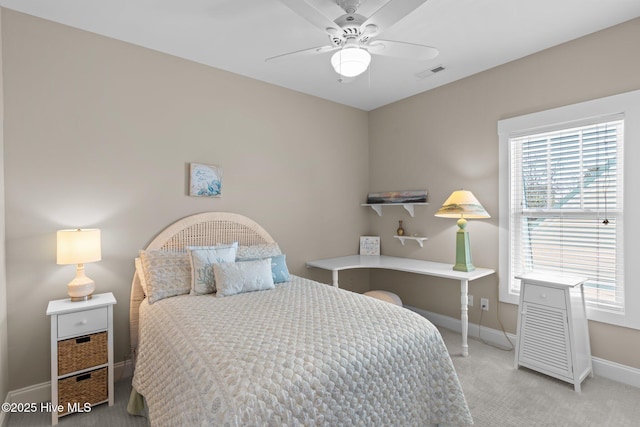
(562, 200)
(566, 193)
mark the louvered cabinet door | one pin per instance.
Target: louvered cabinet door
(544, 340)
(553, 334)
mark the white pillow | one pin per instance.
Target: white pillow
(203, 258)
(141, 277)
(243, 277)
(167, 274)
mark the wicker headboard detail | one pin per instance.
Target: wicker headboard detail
(205, 229)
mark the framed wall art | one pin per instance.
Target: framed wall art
(404, 196)
(369, 245)
(205, 180)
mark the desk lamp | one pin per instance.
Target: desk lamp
(78, 247)
(462, 204)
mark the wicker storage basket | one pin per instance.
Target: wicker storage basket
(83, 352)
(90, 387)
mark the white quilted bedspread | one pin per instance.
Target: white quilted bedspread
(303, 354)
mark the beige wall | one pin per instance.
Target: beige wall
(99, 134)
(446, 139)
(4, 353)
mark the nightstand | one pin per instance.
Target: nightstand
(553, 334)
(81, 354)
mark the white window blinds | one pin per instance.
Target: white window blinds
(566, 207)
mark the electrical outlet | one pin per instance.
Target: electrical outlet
(470, 300)
(484, 304)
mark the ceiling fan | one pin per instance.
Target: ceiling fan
(354, 37)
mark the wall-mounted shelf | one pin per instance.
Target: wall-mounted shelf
(377, 207)
(419, 240)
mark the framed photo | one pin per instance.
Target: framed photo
(369, 245)
(405, 196)
(205, 180)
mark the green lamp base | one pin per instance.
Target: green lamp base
(463, 251)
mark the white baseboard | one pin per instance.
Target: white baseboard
(492, 336)
(602, 368)
(616, 372)
(42, 392)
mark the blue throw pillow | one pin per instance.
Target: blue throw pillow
(279, 269)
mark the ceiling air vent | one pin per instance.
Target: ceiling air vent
(432, 71)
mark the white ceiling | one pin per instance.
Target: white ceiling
(238, 35)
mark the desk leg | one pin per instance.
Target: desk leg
(464, 316)
(334, 278)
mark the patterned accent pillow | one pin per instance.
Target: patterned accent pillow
(166, 274)
(203, 258)
(279, 270)
(240, 277)
(253, 252)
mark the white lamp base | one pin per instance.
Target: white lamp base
(81, 287)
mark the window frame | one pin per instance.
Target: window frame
(627, 105)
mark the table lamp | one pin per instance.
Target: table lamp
(78, 247)
(462, 204)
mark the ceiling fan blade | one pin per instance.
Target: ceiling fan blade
(391, 12)
(303, 52)
(311, 14)
(402, 50)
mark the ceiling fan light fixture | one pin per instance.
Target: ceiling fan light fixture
(351, 61)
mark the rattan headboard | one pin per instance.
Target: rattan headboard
(205, 229)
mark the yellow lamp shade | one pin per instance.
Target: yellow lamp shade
(462, 204)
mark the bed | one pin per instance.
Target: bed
(300, 353)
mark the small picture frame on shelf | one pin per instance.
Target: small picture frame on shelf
(404, 196)
(369, 245)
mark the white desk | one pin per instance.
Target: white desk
(408, 265)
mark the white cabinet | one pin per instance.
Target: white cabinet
(81, 354)
(553, 334)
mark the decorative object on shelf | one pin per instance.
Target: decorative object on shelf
(79, 246)
(462, 204)
(205, 180)
(403, 197)
(369, 245)
(400, 230)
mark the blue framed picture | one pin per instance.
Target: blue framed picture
(205, 180)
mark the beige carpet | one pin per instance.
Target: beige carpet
(500, 395)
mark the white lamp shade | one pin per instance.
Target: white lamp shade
(350, 61)
(78, 246)
(462, 204)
